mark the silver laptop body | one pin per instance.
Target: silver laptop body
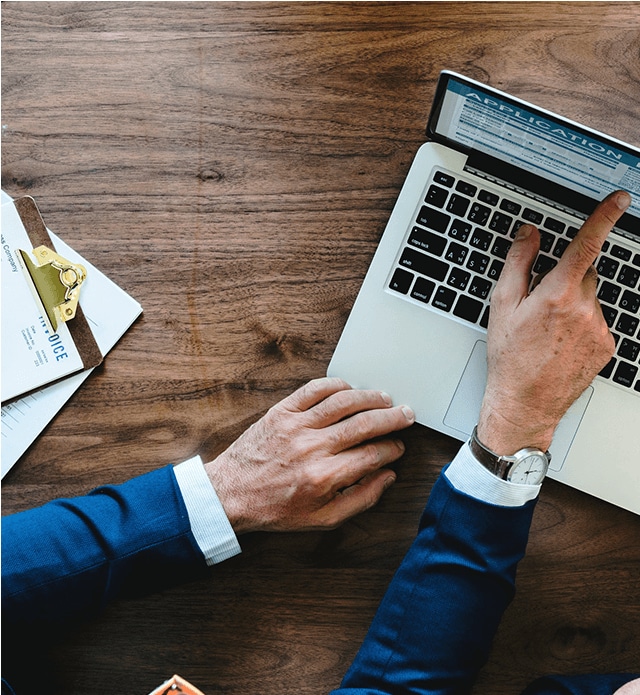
(418, 326)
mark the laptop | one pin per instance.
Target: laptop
(418, 326)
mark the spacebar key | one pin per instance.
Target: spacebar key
(423, 264)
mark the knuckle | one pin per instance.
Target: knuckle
(348, 432)
(587, 249)
(317, 480)
(371, 455)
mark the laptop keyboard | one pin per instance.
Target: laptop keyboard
(455, 252)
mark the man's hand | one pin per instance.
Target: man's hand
(545, 346)
(314, 460)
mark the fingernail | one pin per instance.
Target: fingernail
(524, 232)
(408, 413)
(389, 482)
(400, 445)
(622, 200)
(386, 398)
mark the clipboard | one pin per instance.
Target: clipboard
(55, 285)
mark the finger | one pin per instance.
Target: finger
(312, 393)
(368, 425)
(356, 463)
(585, 248)
(516, 274)
(356, 498)
(343, 404)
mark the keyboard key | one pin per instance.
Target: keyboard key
(436, 196)
(478, 262)
(607, 267)
(544, 264)
(510, 206)
(466, 188)
(458, 205)
(427, 241)
(500, 222)
(627, 324)
(458, 279)
(607, 370)
(532, 216)
(456, 253)
(560, 247)
(554, 225)
(444, 299)
(423, 289)
(625, 374)
(484, 321)
(495, 270)
(443, 179)
(609, 293)
(479, 214)
(636, 259)
(459, 230)
(480, 287)
(501, 247)
(546, 241)
(433, 219)
(630, 301)
(401, 280)
(621, 252)
(516, 226)
(628, 276)
(468, 308)
(609, 314)
(629, 349)
(488, 197)
(481, 239)
(572, 232)
(423, 264)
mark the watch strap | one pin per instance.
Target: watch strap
(498, 465)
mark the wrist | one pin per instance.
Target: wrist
(505, 436)
(230, 504)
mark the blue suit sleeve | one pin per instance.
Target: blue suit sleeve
(434, 628)
(67, 559)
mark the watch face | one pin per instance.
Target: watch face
(530, 470)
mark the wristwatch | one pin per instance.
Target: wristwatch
(527, 466)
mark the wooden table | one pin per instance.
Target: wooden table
(232, 166)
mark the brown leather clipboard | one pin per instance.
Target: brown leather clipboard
(78, 326)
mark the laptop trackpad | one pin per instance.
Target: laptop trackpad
(464, 408)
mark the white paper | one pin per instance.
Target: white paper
(110, 312)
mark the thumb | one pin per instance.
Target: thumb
(516, 274)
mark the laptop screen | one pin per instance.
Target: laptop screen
(514, 134)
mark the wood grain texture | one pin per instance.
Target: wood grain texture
(232, 166)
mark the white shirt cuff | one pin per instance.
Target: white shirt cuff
(468, 475)
(209, 524)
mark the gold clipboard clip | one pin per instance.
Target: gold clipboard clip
(55, 283)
